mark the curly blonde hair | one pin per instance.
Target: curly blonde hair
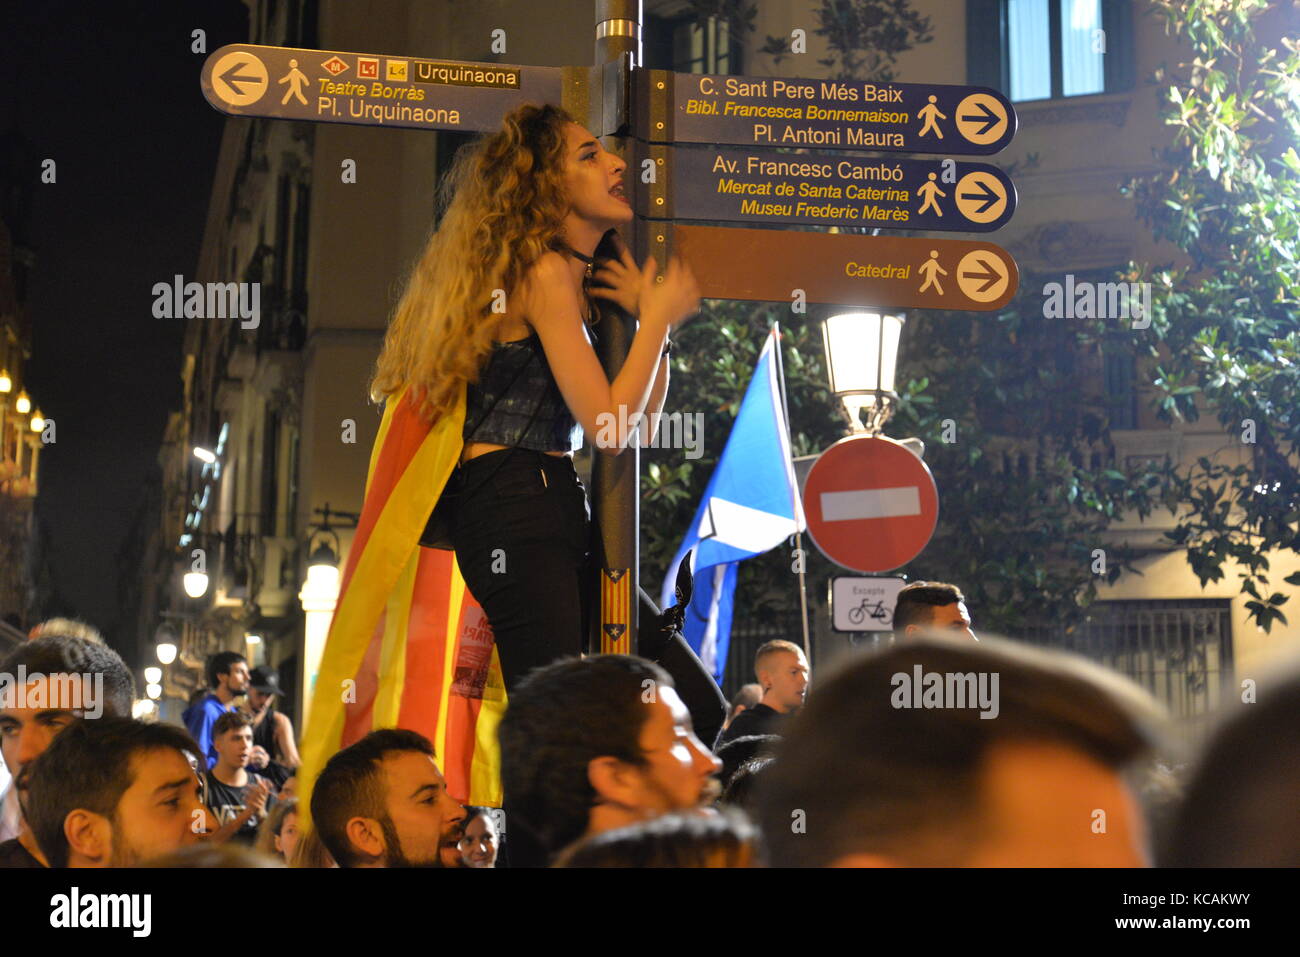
(502, 207)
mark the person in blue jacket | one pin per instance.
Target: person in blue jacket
(228, 679)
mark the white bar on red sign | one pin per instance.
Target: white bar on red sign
(871, 503)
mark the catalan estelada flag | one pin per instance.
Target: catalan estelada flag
(409, 647)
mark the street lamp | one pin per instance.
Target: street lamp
(153, 675)
(861, 357)
(319, 596)
(154, 691)
(204, 455)
(166, 652)
(38, 421)
(23, 404)
(6, 383)
(196, 584)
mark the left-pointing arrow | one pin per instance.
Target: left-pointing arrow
(232, 76)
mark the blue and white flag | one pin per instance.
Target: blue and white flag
(750, 506)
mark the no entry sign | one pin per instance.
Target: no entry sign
(871, 504)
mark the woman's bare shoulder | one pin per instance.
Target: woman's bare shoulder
(548, 289)
(549, 271)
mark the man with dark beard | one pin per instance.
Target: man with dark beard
(382, 802)
(113, 792)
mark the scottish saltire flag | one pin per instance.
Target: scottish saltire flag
(409, 647)
(750, 506)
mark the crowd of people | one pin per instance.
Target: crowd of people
(897, 757)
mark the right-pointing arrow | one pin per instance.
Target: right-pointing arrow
(990, 275)
(986, 118)
(986, 196)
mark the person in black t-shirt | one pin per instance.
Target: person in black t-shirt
(275, 754)
(236, 797)
(782, 671)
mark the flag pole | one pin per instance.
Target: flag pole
(798, 533)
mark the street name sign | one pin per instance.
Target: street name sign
(886, 271)
(763, 186)
(824, 114)
(328, 86)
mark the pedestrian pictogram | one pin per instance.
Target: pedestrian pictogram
(931, 270)
(871, 503)
(239, 78)
(981, 197)
(982, 276)
(981, 118)
(296, 80)
(929, 113)
(928, 191)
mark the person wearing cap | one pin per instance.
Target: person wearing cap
(275, 752)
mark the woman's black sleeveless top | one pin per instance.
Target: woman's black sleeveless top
(516, 385)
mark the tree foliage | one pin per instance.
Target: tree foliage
(1225, 336)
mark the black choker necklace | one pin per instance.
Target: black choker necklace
(589, 260)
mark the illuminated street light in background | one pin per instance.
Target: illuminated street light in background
(153, 691)
(861, 359)
(166, 652)
(23, 404)
(196, 584)
(204, 455)
(6, 383)
(38, 421)
(153, 675)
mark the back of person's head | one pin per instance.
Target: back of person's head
(66, 628)
(917, 601)
(220, 664)
(748, 696)
(208, 855)
(351, 785)
(742, 789)
(905, 754)
(56, 654)
(89, 767)
(1242, 804)
(739, 750)
(680, 839)
(560, 719)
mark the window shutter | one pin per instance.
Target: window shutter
(986, 48)
(1117, 22)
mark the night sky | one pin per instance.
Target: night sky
(110, 91)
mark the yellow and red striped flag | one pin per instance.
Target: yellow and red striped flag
(409, 646)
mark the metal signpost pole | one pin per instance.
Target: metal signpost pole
(614, 479)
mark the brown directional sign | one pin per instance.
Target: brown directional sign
(328, 86)
(822, 114)
(886, 271)
(816, 189)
